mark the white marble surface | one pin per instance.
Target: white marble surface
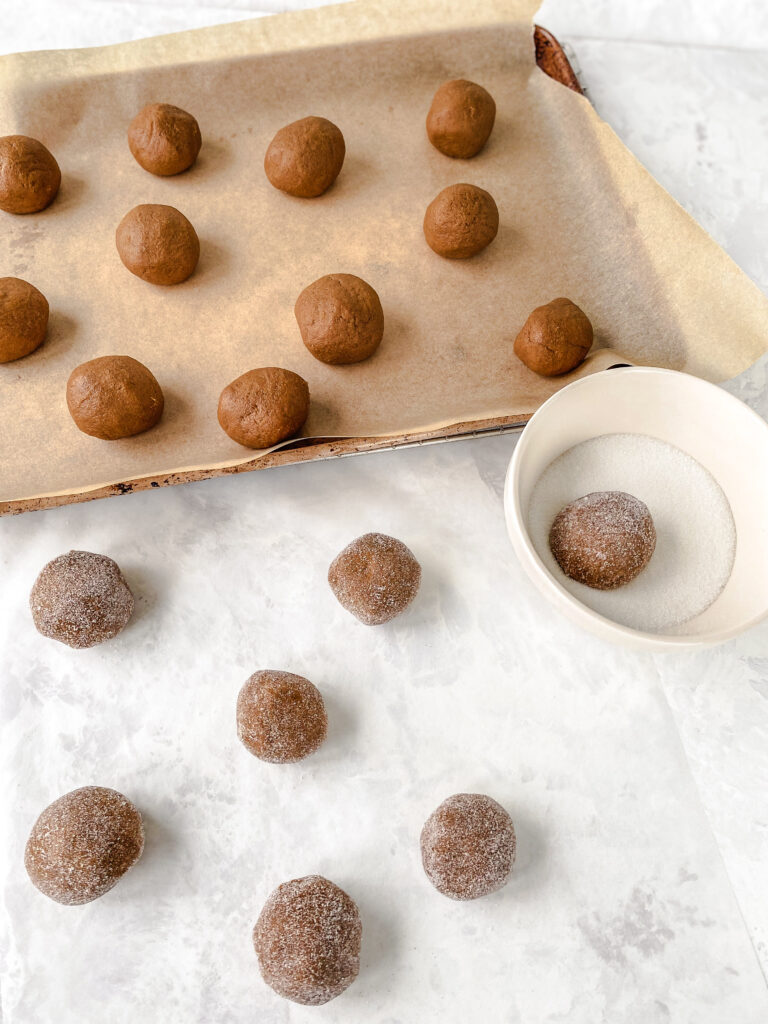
(639, 783)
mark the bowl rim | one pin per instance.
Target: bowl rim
(555, 592)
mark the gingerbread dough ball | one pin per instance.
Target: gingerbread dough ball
(305, 157)
(375, 578)
(23, 318)
(307, 939)
(555, 338)
(461, 118)
(158, 244)
(604, 539)
(81, 599)
(468, 846)
(114, 396)
(164, 139)
(83, 844)
(264, 407)
(280, 717)
(29, 175)
(461, 221)
(340, 319)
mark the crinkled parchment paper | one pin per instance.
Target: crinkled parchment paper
(579, 217)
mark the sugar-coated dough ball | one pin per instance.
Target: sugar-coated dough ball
(461, 221)
(114, 396)
(23, 318)
(83, 844)
(164, 139)
(307, 939)
(555, 338)
(461, 118)
(305, 157)
(375, 578)
(81, 599)
(604, 539)
(264, 407)
(468, 846)
(280, 717)
(340, 319)
(158, 244)
(29, 175)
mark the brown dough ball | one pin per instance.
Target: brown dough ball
(604, 539)
(375, 578)
(468, 846)
(23, 318)
(305, 157)
(264, 407)
(307, 939)
(164, 139)
(81, 599)
(280, 717)
(340, 319)
(83, 844)
(29, 175)
(461, 221)
(114, 396)
(158, 244)
(555, 338)
(461, 118)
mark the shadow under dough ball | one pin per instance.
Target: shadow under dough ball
(82, 844)
(81, 599)
(555, 338)
(23, 318)
(305, 157)
(375, 578)
(468, 846)
(111, 397)
(29, 175)
(164, 139)
(280, 717)
(158, 244)
(264, 407)
(604, 539)
(340, 319)
(307, 939)
(461, 118)
(461, 221)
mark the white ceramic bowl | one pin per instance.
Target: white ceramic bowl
(718, 430)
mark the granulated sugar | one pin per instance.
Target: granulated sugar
(695, 532)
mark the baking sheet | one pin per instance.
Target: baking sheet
(579, 217)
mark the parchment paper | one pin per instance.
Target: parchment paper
(579, 217)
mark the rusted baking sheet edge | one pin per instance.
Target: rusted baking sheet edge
(299, 450)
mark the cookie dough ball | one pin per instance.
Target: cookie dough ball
(81, 599)
(461, 118)
(23, 318)
(29, 175)
(158, 244)
(83, 844)
(375, 578)
(340, 319)
(468, 846)
(555, 338)
(114, 396)
(461, 221)
(305, 157)
(264, 407)
(164, 139)
(307, 939)
(280, 717)
(604, 539)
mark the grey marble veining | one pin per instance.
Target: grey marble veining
(638, 783)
